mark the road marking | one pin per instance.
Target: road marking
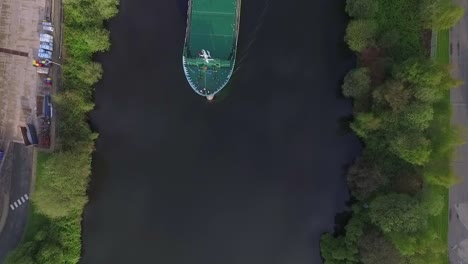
(20, 201)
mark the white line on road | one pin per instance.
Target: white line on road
(20, 201)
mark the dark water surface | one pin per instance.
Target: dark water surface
(254, 178)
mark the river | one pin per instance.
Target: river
(253, 178)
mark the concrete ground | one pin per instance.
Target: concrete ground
(458, 201)
(19, 27)
(18, 163)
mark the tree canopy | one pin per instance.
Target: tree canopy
(360, 34)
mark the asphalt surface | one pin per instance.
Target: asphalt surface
(18, 164)
(458, 201)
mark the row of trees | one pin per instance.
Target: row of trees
(63, 176)
(399, 97)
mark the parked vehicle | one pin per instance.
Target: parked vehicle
(45, 55)
(46, 38)
(46, 46)
(48, 28)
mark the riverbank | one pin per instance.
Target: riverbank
(402, 115)
(53, 234)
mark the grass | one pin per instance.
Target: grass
(442, 54)
(440, 223)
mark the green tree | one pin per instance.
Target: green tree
(432, 202)
(375, 248)
(397, 213)
(356, 83)
(362, 8)
(89, 13)
(360, 34)
(393, 94)
(82, 43)
(428, 80)
(50, 253)
(61, 189)
(80, 75)
(364, 178)
(343, 249)
(413, 148)
(418, 116)
(334, 250)
(440, 14)
(365, 124)
(422, 247)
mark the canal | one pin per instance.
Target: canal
(253, 178)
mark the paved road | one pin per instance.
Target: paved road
(18, 163)
(458, 218)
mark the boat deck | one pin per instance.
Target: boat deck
(213, 26)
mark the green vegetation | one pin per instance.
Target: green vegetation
(440, 14)
(402, 115)
(53, 233)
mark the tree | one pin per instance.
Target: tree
(411, 147)
(356, 83)
(397, 213)
(365, 124)
(80, 75)
(343, 249)
(394, 94)
(432, 202)
(440, 14)
(375, 248)
(361, 8)
(427, 79)
(335, 250)
(364, 178)
(63, 183)
(82, 43)
(422, 247)
(88, 13)
(418, 116)
(360, 34)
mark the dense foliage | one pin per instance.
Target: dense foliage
(401, 114)
(54, 231)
